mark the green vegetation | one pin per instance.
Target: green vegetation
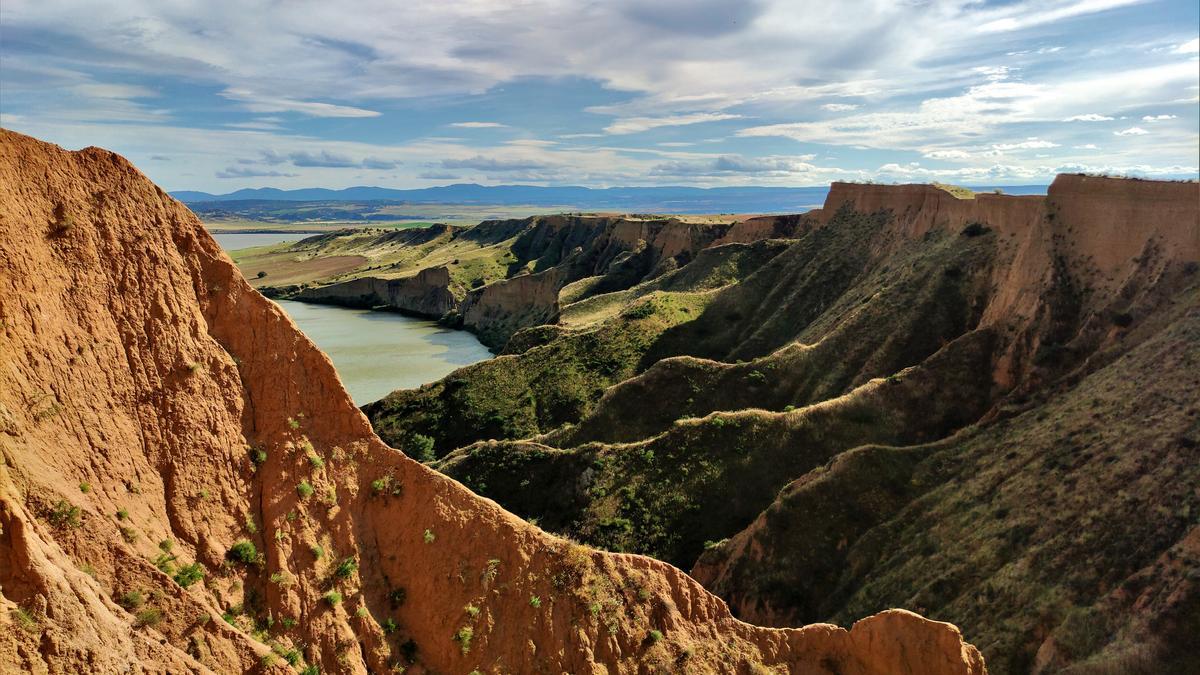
(189, 574)
(429, 537)
(85, 487)
(346, 568)
(535, 601)
(65, 514)
(304, 489)
(463, 637)
(24, 620)
(333, 598)
(244, 552)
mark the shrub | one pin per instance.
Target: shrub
(463, 638)
(258, 456)
(318, 552)
(85, 487)
(293, 424)
(288, 622)
(129, 534)
(333, 598)
(166, 545)
(389, 626)
(345, 568)
(304, 489)
(472, 610)
(131, 600)
(975, 230)
(422, 447)
(654, 636)
(65, 514)
(409, 650)
(315, 460)
(535, 601)
(243, 551)
(260, 274)
(189, 574)
(429, 536)
(163, 563)
(149, 616)
(310, 669)
(122, 514)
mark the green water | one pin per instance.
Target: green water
(378, 352)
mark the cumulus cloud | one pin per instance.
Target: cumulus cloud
(1157, 118)
(1190, 47)
(376, 163)
(1131, 131)
(478, 125)
(1027, 144)
(947, 154)
(1090, 117)
(840, 107)
(323, 158)
(735, 164)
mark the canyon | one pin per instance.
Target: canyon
(186, 487)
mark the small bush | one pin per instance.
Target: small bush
(260, 274)
(243, 551)
(333, 598)
(293, 424)
(654, 636)
(149, 616)
(131, 600)
(258, 456)
(422, 447)
(85, 487)
(189, 574)
(318, 552)
(463, 637)
(64, 514)
(389, 626)
(122, 514)
(346, 568)
(409, 650)
(315, 460)
(129, 534)
(975, 230)
(471, 610)
(288, 622)
(304, 489)
(535, 602)
(429, 536)
(163, 563)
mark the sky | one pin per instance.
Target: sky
(225, 94)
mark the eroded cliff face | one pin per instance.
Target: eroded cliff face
(161, 421)
(429, 293)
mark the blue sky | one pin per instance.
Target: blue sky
(223, 94)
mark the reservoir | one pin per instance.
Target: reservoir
(375, 353)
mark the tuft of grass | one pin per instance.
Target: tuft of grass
(346, 568)
(304, 489)
(535, 601)
(293, 424)
(24, 620)
(654, 636)
(333, 598)
(318, 552)
(315, 461)
(85, 487)
(463, 637)
(122, 513)
(429, 537)
(471, 610)
(131, 600)
(149, 617)
(389, 626)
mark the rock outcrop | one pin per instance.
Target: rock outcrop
(429, 293)
(187, 486)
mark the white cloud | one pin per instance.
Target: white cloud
(1018, 16)
(947, 154)
(1131, 131)
(1190, 47)
(260, 103)
(1090, 117)
(478, 125)
(634, 125)
(1087, 146)
(1027, 144)
(840, 107)
(1157, 118)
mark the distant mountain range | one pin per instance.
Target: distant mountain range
(671, 199)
